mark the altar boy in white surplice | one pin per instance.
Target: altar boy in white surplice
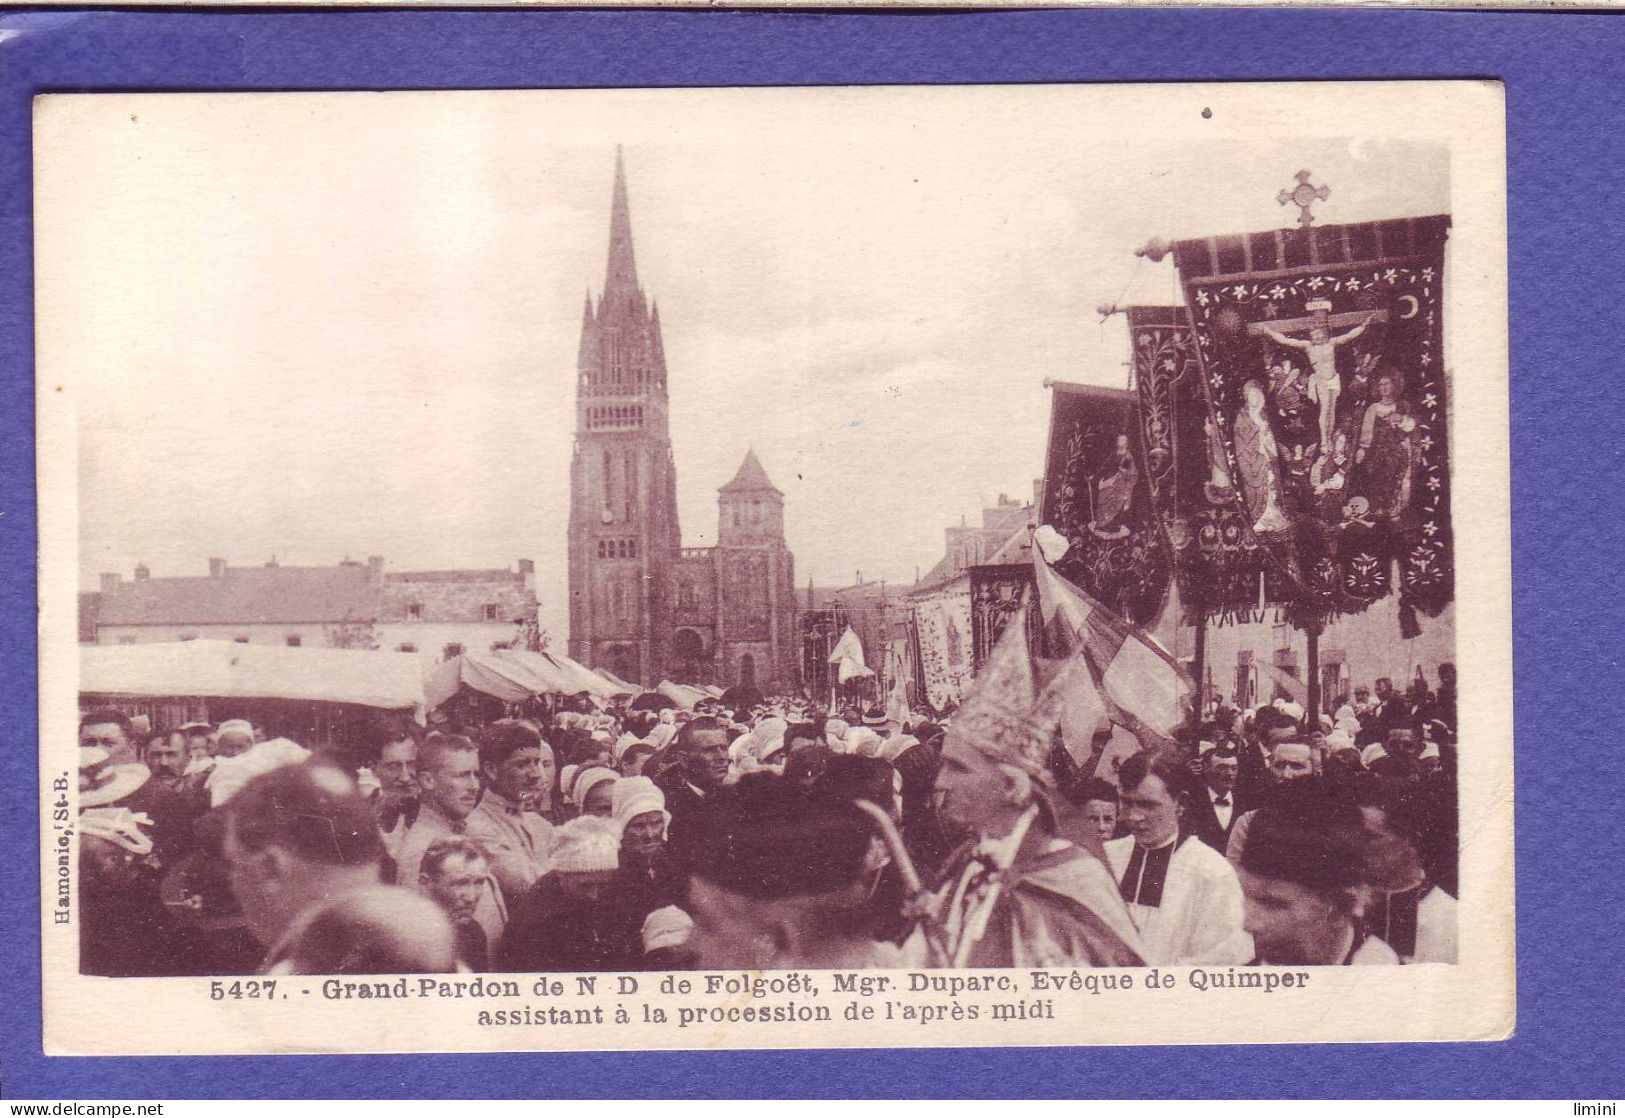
(1182, 895)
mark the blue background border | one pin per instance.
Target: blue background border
(1565, 78)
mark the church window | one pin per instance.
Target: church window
(631, 485)
(1286, 660)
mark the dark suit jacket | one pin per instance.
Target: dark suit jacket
(1204, 819)
(684, 804)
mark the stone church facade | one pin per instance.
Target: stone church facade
(642, 605)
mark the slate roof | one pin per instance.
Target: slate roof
(751, 477)
(247, 595)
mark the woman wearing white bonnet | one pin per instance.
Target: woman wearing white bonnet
(592, 790)
(567, 921)
(665, 937)
(1339, 739)
(862, 741)
(635, 797)
(647, 880)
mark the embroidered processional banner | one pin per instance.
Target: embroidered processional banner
(995, 597)
(1095, 494)
(1218, 564)
(942, 630)
(1321, 352)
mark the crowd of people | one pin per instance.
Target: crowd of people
(785, 835)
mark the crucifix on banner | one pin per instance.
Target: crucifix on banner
(1321, 347)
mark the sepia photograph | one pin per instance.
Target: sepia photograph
(774, 567)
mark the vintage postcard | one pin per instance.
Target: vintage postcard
(768, 568)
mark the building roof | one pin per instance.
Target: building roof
(849, 597)
(489, 574)
(982, 546)
(247, 595)
(751, 477)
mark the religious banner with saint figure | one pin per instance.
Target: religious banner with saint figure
(1095, 495)
(996, 591)
(1218, 564)
(942, 635)
(1322, 355)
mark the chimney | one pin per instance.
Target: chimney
(527, 574)
(110, 582)
(141, 572)
(375, 569)
(1038, 492)
(217, 568)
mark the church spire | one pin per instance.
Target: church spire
(621, 276)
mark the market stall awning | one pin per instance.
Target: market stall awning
(228, 670)
(568, 677)
(621, 686)
(681, 694)
(488, 674)
(515, 674)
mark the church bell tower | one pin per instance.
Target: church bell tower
(624, 533)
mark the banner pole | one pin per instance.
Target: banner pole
(1199, 669)
(1312, 632)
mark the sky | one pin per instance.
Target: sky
(326, 326)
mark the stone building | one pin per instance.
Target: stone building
(642, 605)
(436, 614)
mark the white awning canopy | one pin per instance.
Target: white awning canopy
(228, 670)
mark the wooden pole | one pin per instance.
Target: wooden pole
(1314, 676)
(1199, 668)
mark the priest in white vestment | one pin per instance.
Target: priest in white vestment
(1182, 895)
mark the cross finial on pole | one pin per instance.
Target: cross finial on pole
(1303, 196)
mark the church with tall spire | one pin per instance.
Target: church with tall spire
(641, 605)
